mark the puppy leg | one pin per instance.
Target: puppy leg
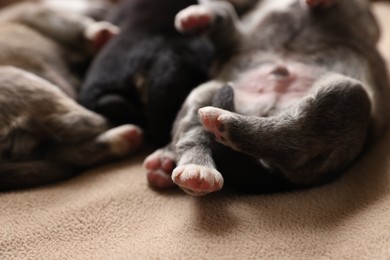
(322, 135)
(218, 19)
(182, 150)
(84, 137)
(46, 137)
(195, 172)
(70, 28)
(45, 111)
(113, 143)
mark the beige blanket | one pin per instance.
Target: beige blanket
(110, 213)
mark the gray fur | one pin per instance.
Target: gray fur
(308, 141)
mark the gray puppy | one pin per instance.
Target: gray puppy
(45, 135)
(299, 92)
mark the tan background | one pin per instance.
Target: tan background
(110, 213)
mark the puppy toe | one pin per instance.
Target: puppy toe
(196, 18)
(123, 140)
(159, 166)
(197, 180)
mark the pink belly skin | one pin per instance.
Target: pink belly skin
(273, 86)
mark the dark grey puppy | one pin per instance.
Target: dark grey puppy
(45, 135)
(302, 91)
(144, 74)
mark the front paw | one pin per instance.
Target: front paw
(99, 33)
(197, 180)
(122, 140)
(195, 18)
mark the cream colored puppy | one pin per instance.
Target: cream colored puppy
(45, 135)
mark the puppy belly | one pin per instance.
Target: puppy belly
(272, 86)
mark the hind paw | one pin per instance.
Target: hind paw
(159, 166)
(195, 18)
(197, 180)
(217, 121)
(123, 140)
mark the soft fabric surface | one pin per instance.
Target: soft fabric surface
(110, 213)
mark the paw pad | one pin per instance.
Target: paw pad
(197, 180)
(159, 166)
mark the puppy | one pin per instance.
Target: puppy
(45, 135)
(144, 74)
(295, 102)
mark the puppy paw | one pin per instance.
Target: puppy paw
(99, 33)
(195, 18)
(319, 3)
(197, 180)
(159, 166)
(123, 140)
(216, 121)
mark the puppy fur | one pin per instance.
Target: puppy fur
(300, 93)
(45, 135)
(144, 74)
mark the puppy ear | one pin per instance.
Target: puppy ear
(99, 33)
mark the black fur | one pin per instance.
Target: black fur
(144, 74)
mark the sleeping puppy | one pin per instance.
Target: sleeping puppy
(144, 74)
(294, 104)
(45, 135)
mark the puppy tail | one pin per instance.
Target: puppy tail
(224, 98)
(21, 175)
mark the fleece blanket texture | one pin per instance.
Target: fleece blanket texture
(110, 213)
